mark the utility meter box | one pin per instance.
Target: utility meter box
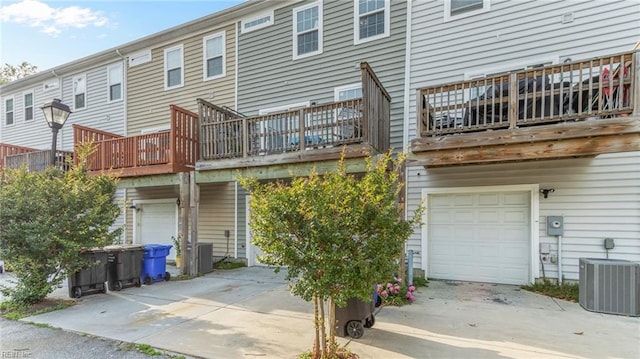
(555, 225)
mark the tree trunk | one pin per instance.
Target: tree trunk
(333, 346)
(315, 353)
(324, 329)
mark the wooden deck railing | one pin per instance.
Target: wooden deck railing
(226, 134)
(176, 147)
(38, 161)
(600, 87)
(8, 150)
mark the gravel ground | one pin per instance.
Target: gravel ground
(23, 340)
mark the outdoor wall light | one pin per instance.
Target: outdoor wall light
(56, 113)
(545, 191)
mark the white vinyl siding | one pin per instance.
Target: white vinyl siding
(455, 9)
(79, 92)
(173, 67)
(8, 111)
(214, 56)
(257, 22)
(114, 79)
(28, 106)
(307, 30)
(371, 20)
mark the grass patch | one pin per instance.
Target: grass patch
(228, 265)
(420, 282)
(184, 277)
(148, 349)
(566, 291)
(14, 311)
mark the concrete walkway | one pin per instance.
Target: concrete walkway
(248, 312)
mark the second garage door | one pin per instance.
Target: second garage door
(157, 223)
(482, 237)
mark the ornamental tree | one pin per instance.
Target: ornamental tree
(337, 233)
(46, 219)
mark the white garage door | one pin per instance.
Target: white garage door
(157, 223)
(481, 237)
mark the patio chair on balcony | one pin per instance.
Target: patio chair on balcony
(349, 125)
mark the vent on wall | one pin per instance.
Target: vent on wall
(610, 286)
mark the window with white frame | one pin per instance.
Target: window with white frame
(173, 67)
(347, 92)
(28, 106)
(307, 30)
(454, 9)
(8, 111)
(257, 22)
(214, 56)
(79, 92)
(371, 20)
(114, 78)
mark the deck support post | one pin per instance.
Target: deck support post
(186, 255)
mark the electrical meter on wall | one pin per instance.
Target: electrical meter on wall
(555, 225)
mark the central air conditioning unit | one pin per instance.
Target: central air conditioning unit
(205, 257)
(610, 286)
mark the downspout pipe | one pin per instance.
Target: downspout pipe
(560, 260)
(124, 92)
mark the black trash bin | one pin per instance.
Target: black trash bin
(89, 280)
(354, 317)
(124, 266)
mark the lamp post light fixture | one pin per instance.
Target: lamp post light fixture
(56, 113)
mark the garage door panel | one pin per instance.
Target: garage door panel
(516, 198)
(488, 199)
(480, 237)
(465, 216)
(462, 200)
(486, 216)
(515, 216)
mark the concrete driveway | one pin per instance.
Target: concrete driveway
(248, 312)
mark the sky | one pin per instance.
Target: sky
(49, 33)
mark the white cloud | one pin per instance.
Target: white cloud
(51, 21)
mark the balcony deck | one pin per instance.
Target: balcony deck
(166, 152)
(359, 127)
(573, 109)
(8, 150)
(38, 161)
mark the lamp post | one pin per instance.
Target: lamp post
(56, 113)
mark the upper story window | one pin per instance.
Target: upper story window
(307, 30)
(257, 22)
(454, 9)
(371, 20)
(8, 111)
(28, 106)
(79, 92)
(347, 92)
(173, 67)
(214, 56)
(114, 78)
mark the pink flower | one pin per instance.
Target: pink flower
(378, 287)
(412, 288)
(389, 285)
(397, 288)
(384, 293)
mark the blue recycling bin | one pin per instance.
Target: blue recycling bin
(154, 263)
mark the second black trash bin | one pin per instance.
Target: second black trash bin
(89, 280)
(125, 265)
(354, 317)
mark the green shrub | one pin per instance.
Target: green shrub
(566, 291)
